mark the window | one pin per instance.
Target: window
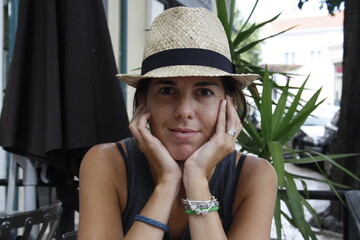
(290, 58)
(286, 58)
(314, 54)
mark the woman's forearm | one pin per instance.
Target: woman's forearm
(158, 208)
(207, 226)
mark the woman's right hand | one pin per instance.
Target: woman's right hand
(165, 168)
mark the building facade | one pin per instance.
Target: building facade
(313, 47)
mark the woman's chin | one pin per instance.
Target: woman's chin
(181, 154)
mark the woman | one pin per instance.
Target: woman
(180, 177)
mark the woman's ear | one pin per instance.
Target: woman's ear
(235, 102)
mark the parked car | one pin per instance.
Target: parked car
(311, 135)
(329, 145)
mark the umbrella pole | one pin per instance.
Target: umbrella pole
(10, 195)
(29, 182)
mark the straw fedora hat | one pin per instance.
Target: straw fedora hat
(185, 42)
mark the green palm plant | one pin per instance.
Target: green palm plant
(280, 120)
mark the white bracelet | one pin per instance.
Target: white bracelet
(200, 207)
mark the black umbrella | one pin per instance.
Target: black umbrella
(62, 96)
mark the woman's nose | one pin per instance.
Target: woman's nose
(185, 108)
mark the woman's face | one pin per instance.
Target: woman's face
(184, 112)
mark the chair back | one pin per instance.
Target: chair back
(45, 217)
(70, 235)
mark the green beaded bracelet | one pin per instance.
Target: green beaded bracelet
(213, 209)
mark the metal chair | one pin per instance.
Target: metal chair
(70, 235)
(353, 219)
(45, 217)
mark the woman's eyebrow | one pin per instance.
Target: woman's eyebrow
(165, 82)
(206, 83)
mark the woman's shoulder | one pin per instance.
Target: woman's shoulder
(104, 157)
(257, 171)
(255, 164)
(103, 167)
(108, 151)
(101, 152)
(102, 180)
(257, 179)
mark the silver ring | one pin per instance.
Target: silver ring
(231, 132)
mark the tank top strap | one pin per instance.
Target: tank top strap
(121, 150)
(239, 165)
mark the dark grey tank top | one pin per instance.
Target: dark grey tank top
(140, 185)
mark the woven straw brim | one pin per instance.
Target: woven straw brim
(186, 71)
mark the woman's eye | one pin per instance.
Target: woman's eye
(205, 92)
(166, 91)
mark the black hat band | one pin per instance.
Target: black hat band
(187, 56)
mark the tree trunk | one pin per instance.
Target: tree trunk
(348, 136)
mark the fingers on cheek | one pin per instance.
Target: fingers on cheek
(233, 115)
(233, 121)
(139, 122)
(143, 121)
(230, 116)
(139, 110)
(221, 118)
(138, 113)
(223, 109)
(133, 124)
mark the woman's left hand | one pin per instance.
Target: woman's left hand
(222, 143)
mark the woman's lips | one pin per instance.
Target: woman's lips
(183, 133)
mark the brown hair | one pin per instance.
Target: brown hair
(234, 88)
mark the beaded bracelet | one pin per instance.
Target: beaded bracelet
(200, 207)
(188, 204)
(152, 222)
(204, 211)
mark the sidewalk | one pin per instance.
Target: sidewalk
(291, 233)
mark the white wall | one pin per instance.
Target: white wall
(137, 25)
(114, 27)
(137, 17)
